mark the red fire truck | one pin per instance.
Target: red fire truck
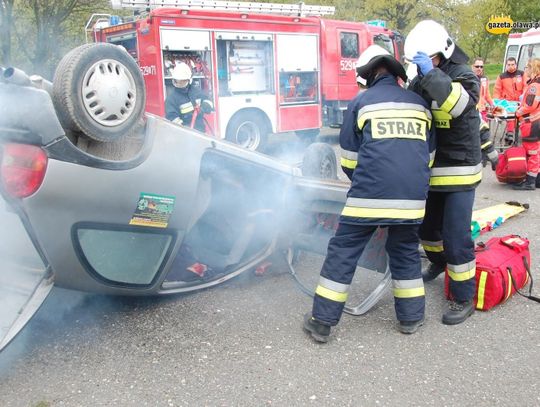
(269, 68)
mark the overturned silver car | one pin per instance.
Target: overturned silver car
(97, 196)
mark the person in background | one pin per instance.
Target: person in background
(528, 115)
(451, 89)
(385, 140)
(484, 101)
(509, 85)
(182, 102)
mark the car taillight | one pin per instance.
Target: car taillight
(23, 169)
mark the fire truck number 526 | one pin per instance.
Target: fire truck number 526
(347, 64)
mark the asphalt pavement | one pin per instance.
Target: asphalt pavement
(241, 344)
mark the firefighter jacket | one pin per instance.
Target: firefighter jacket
(452, 91)
(529, 111)
(509, 86)
(385, 140)
(484, 98)
(181, 104)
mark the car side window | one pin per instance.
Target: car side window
(131, 257)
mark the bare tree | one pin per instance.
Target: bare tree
(6, 25)
(45, 28)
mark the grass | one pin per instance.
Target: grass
(492, 71)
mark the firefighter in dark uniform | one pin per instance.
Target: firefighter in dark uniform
(385, 151)
(184, 99)
(452, 90)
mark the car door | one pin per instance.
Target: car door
(25, 278)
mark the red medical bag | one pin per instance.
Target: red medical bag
(512, 166)
(502, 268)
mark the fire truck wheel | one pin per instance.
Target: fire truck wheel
(98, 91)
(307, 136)
(320, 162)
(249, 130)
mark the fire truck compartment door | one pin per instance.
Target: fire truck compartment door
(185, 40)
(297, 52)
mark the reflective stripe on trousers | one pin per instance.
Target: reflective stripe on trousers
(447, 225)
(344, 250)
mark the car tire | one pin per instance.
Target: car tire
(98, 91)
(319, 162)
(249, 130)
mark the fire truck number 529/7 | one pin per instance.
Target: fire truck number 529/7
(148, 70)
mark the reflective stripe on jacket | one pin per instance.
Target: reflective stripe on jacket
(181, 102)
(386, 140)
(452, 90)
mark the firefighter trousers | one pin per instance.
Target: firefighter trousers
(446, 237)
(344, 251)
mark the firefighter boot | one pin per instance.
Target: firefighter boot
(318, 330)
(528, 185)
(433, 271)
(458, 311)
(410, 327)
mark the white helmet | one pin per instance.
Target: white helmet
(373, 56)
(181, 72)
(412, 71)
(430, 37)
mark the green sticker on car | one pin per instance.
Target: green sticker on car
(153, 210)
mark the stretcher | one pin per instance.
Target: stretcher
(503, 125)
(486, 219)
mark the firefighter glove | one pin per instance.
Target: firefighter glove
(423, 61)
(178, 121)
(207, 106)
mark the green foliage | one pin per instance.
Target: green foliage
(44, 30)
(492, 70)
(402, 15)
(470, 32)
(524, 10)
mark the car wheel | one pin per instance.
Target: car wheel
(307, 136)
(249, 130)
(98, 90)
(320, 162)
